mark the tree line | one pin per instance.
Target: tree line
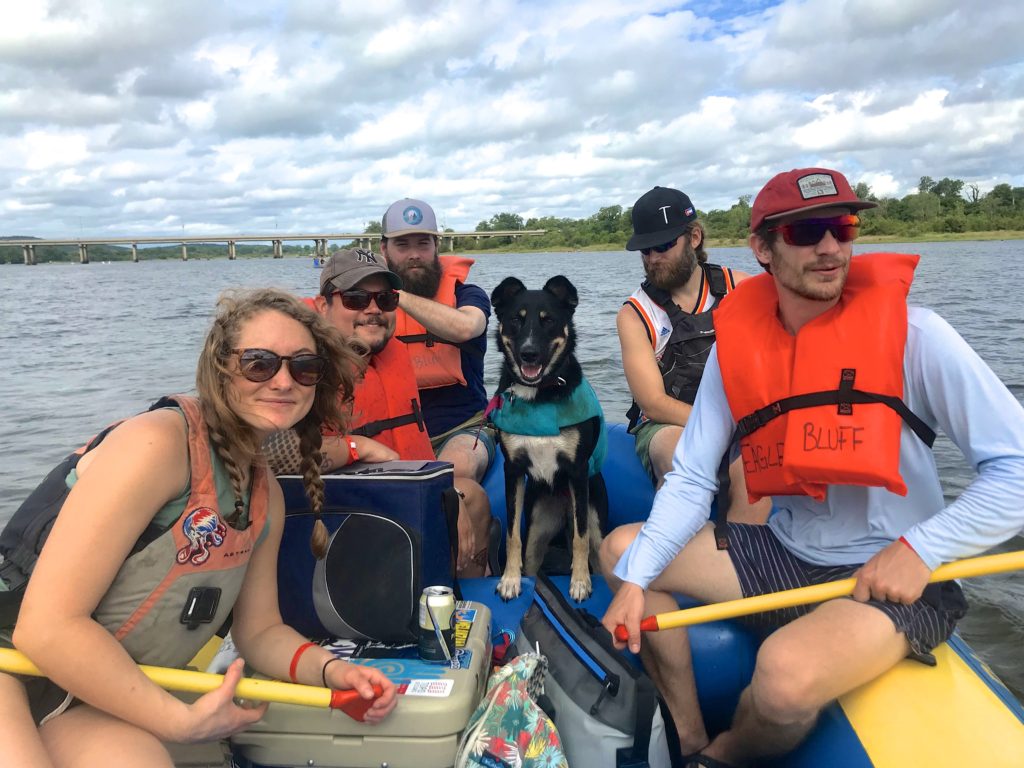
(937, 207)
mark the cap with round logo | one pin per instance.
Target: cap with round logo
(408, 217)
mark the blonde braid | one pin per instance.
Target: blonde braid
(220, 443)
(310, 441)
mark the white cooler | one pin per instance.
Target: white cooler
(422, 731)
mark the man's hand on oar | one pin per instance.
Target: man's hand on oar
(817, 593)
(622, 618)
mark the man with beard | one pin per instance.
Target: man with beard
(665, 327)
(834, 387)
(359, 297)
(443, 321)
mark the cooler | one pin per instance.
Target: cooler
(423, 731)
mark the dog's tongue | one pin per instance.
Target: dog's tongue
(531, 371)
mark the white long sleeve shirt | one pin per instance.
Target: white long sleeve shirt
(949, 387)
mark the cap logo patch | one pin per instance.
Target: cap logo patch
(664, 212)
(365, 256)
(688, 212)
(412, 215)
(817, 185)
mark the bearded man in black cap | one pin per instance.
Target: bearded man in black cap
(665, 327)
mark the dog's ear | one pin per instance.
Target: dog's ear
(507, 290)
(560, 287)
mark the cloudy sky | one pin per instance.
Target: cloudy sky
(136, 117)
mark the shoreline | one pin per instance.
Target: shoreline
(712, 242)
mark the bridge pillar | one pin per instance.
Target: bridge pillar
(231, 250)
(184, 252)
(135, 252)
(277, 249)
(30, 254)
(83, 253)
(451, 245)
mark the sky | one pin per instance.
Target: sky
(196, 117)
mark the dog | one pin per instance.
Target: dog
(551, 432)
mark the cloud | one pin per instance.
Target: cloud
(314, 115)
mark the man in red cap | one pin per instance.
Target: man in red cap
(833, 388)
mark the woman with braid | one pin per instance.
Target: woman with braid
(171, 522)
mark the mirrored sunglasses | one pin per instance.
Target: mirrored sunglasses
(359, 300)
(810, 231)
(259, 365)
(659, 248)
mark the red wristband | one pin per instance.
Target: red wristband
(907, 544)
(295, 659)
(353, 454)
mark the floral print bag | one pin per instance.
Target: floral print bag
(508, 728)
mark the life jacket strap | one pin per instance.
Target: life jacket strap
(374, 428)
(845, 397)
(429, 339)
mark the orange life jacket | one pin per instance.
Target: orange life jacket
(823, 407)
(386, 405)
(436, 361)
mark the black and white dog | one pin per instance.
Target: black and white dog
(551, 431)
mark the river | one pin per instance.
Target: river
(82, 345)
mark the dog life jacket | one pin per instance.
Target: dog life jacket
(823, 407)
(519, 416)
(178, 585)
(436, 361)
(386, 407)
(681, 341)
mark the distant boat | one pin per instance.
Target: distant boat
(319, 261)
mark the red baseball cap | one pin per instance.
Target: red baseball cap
(804, 189)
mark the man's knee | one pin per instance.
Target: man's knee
(468, 459)
(784, 689)
(662, 450)
(614, 544)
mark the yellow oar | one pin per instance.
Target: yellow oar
(187, 680)
(817, 593)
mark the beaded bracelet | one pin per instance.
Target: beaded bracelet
(295, 659)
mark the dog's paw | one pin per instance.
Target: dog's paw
(509, 587)
(580, 589)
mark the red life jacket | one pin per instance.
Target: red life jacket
(386, 405)
(436, 361)
(823, 407)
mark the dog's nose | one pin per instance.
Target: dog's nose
(529, 355)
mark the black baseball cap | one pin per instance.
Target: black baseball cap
(660, 216)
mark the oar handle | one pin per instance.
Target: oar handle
(816, 593)
(348, 701)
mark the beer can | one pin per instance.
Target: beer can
(437, 636)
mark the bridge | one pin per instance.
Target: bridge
(320, 242)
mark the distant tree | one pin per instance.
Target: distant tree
(863, 191)
(925, 185)
(372, 228)
(974, 193)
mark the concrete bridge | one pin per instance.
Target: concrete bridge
(320, 242)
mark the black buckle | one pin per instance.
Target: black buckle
(200, 606)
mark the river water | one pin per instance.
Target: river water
(83, 345)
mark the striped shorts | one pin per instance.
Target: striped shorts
(764, 566)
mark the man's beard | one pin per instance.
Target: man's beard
(378, 344)
(421, 278)
(669, 275)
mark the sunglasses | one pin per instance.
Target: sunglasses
(810, 231)
(387, 300)
(259, 365)
(658, 248)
